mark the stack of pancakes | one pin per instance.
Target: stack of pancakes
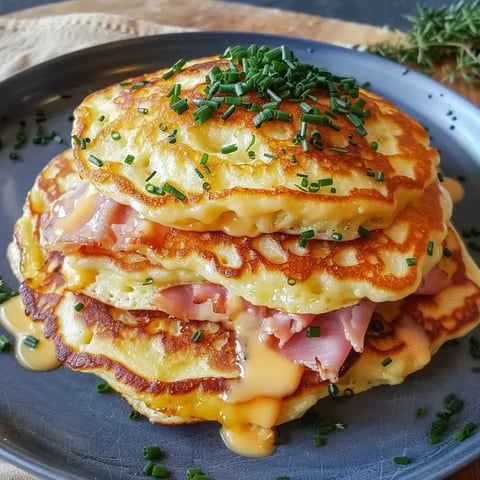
(233, 238)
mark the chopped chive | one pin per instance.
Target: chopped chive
(313, 331)
(30, 341)
(129, 159)
(229, 148)
(402, 460)
(150, 188)
(465, 432)
(116, 136)
(386, 361)
(168, 188)
(411, 261)
(148, 281)
(228, 112)
(336, 236)
(380, 176)
(319, 441)
(370, 172)
(158, 471)
(148, 468)
(79, 306)
(447, 253)
(101, 118)
(430, 246)
(251, 155)
(142, 110)
(197, 336)
(180, 106)
(133, 415)
(325, 182)
(363, 232)
(420, 412)
(291, 281)
(103, 387)
(206, 186)
(125, 84)
(338, 150)
(95, 160)
(153, 452)
(374, 146)
(150, 176)
(333, 390)
(4, 343)
(199, 173)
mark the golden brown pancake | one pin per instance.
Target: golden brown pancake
(331, 179)
(327, 275)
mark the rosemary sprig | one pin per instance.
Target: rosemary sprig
(448, 37)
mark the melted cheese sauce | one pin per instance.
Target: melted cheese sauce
(454, 188)
(266, 379)
(13, 318)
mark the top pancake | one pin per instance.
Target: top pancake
(331, 178)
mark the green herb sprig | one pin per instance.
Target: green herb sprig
(448, 36)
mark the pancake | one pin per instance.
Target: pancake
(153, 361)
(109, 256)
(359, 167)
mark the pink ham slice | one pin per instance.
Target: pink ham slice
(340, 331)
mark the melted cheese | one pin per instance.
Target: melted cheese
(13, 318)
(454, 188)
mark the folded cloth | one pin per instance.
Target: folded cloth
(26, 42)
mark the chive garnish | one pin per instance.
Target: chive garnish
(150, 176)
(411, 261)
(116, 136)
(430, 246)
(386, 361)
(142, 110)
(333, 389)
(229, 148)
(313, 331)
(129, 159)
(153, 452)
(291, 281)
(168, 188)
(374, 146)
(4, 343)
(95, 160)
(465, 432)
(363, 232)
(402, 460)
(180, 106)
(30, 341)
(197, 336)
(79, 306)
(158, 471)
(133, 415)
(336, 236)
(103, 387)
(148, 281)
(155, 190)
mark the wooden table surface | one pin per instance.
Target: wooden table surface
(210, 15)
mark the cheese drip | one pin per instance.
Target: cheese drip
(13, 318)
(266, 379)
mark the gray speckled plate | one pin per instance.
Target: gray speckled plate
(55, 424)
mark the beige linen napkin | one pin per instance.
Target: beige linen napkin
(26, 42)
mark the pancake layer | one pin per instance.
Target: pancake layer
(325, 156)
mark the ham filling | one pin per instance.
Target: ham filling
(86, 217)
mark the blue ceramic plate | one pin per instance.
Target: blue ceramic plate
(57, 426)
